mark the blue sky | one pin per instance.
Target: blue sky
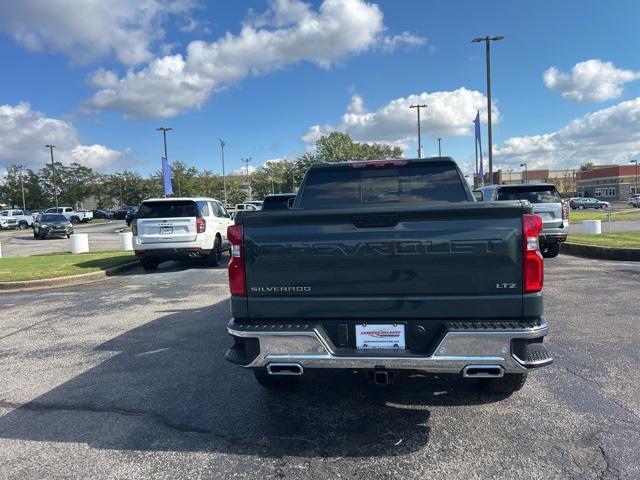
(264, 91)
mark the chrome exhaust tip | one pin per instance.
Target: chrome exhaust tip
(285, 369)
(483, 371)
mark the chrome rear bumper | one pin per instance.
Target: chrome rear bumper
(312, 348)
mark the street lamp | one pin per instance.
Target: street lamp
(525, 178)
(24, 207)
(224, 177)
(439, 147)
(488, 41)
(636, 182)
(53, 173)
(419, 136)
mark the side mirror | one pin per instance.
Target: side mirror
(290, 202)
(477, 194)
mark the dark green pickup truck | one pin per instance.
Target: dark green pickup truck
(387, 265)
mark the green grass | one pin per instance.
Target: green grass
(55, 265)
(579, 216)
(625, 239)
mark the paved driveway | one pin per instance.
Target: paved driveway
(126, 379)
(102, 236)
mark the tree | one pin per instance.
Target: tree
(587, 166)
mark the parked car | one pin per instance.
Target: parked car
(247, 206)
(388, 265)
(74, 216)
(278, 201)
(52, 224)
(121, 213)
(179, 229)
(130, 216)
(634, 200)
(546, 202)
(104, 214)
(15, 219)
(585, 202)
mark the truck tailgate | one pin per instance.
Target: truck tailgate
(453, 261)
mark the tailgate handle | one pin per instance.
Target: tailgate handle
(375, 221)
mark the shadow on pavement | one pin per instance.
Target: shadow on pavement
(168, 387)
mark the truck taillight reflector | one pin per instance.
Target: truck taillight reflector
(237, 282)
(532, 264)
(201, 225)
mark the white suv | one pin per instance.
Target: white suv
(180, 228)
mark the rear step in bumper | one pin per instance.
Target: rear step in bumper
(476, 352)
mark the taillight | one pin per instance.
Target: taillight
(201, 225)
(532, 264)
(237, 282)
(134, 227)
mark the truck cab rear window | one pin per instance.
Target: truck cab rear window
(532, 194)
(413, 185)
(168, 209)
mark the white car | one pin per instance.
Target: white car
(179, 229)
(634, 200)
(15, 219)
(74, 216)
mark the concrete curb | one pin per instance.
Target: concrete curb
(601, 253)
(64, 281)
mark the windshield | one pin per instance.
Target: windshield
(547, 194)
(53, 217)
(168, 209)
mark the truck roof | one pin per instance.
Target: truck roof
(170, 199)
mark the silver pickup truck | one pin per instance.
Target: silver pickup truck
(546, 202)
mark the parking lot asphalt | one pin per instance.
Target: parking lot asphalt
(102, 236)
(127, 379)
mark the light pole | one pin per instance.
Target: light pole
(224, 177)
(53, 173)
(636, 182)
(439, 147)
(246, 163)
(419, 136)
(525, 178)
(164, 131)
(24, 205)
(488, 41)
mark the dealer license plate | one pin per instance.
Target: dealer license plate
(380, 336)
(166, 230)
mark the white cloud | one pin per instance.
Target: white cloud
(589, 81)
(406, 39)
(609, 135)
(289, 32)
(24, 132)
(87, 30)
(448, 113)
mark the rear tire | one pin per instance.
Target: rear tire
(507, 385)
(580, 207)
(213, 259)
(149, 264)
(35, 235)
(75, 220)
(22, 225)
(274, 382)
(551, 251)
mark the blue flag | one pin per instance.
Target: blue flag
(479, 146)
(166, 176)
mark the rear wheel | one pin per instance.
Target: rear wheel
(215, 256)
(507, 385)
(75, 220)
(580, 207)
(551, 251)
(149, 264)
(22, 225)
(274, 381)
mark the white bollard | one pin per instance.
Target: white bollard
(126, 241)
(593, 227)
(79, 243)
